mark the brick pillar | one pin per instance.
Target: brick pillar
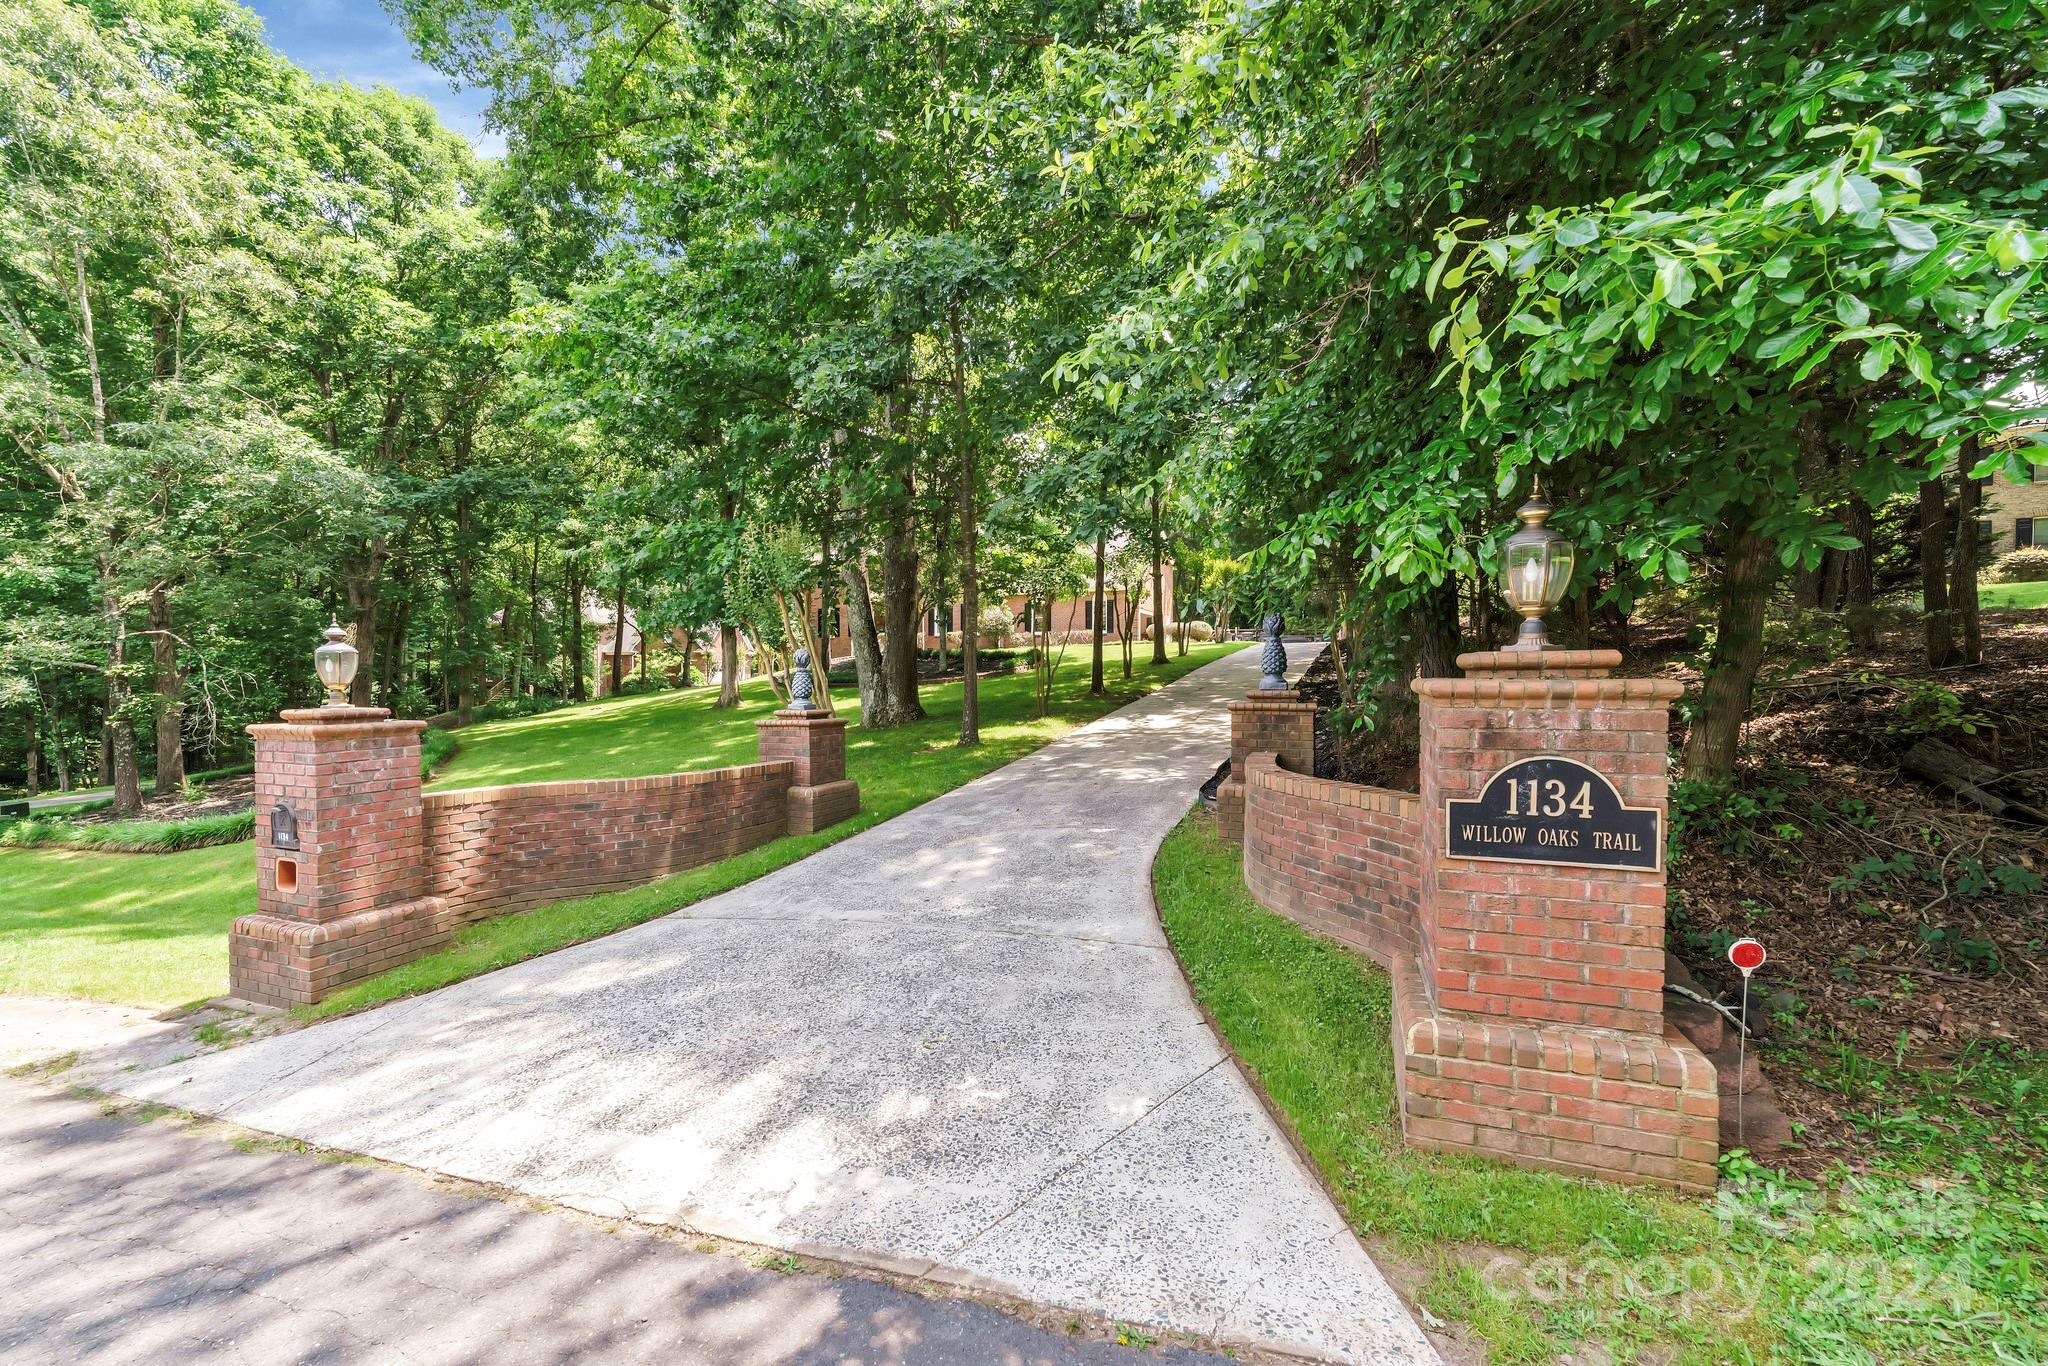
(820, 793)
(1530, 1025)
(339, 874)
(1278, 722)
(1541, 941)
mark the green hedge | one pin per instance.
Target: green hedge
(130, 837)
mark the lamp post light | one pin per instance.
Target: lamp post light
(335, 662)
(1535, 570)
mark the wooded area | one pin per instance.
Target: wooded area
(924, 304)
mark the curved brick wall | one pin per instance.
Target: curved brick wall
(489, 850)
(1336, 858)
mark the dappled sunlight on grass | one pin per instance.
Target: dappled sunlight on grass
(151, 929)
(141, 929)
(896, 769)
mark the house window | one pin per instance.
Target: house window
(1030, 616)
(2022, 532)
(828, 623)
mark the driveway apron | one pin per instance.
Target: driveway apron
(955, 1045)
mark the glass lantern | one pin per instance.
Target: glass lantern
(335, 662)
(1535, 571)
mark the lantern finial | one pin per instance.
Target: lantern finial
(1535, 571)
(335, 662)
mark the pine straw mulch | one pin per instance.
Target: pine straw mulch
(223, 797)
(1878, 895)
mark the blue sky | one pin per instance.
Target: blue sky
(355, 40)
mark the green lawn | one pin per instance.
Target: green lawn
(1943, 1263)
(141, 929)
(1999, 596)
(151, 930)
(896, 769)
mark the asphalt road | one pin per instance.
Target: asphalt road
(123, 1241)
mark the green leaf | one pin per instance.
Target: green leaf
(1859, 195)
(1578, 232)
(1675, 567)
(1913, 236)
(1827, 194)
(1877, 360)
(1675, 281)
(1792, 339)
(1852, 311)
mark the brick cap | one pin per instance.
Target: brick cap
(267, 928)
(291, 729)
(1668, 1057)
(333, 716)
(1549, 692)
(1542, 663)
(1262, 770)
(786, 717)
(1288, 701)
(607, 788)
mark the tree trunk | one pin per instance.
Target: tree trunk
(1095, 668)
(170, 691)
(867, 651)
(1158, 585)
(533, 618)
(117, 734)
(365, 574)
(33, 762)
(1934, 540)
(618, 664)
(467, 646)
(1747, 572)
(578, 690)
(970, 544)
(728, 665)
(1437, 634)
(1962, 593)
(899, 610)
(1860, 578)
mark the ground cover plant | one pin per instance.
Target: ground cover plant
(1937, 1253)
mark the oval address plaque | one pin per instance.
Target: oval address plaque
(1554, 810)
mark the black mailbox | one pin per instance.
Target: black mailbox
(284, 827)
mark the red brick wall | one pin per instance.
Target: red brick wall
(1629, 1107)
(1277, 723)
(816, 746)
(352, 778)
(1557, 944)
(489, 850)
(1335, 858)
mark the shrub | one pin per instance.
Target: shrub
(506, 708)
(1201, 630)
(435, 748)
(131, 837)
(2028, 565)
(996, 622)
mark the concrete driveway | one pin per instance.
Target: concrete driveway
(955, 1046)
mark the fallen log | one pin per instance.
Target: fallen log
(1969, 778)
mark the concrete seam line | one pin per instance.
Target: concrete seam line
(1082, 1160)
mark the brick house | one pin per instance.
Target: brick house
(1071, 617)
(2016, 514)
(703, 651)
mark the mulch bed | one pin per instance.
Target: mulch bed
(224, 797)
